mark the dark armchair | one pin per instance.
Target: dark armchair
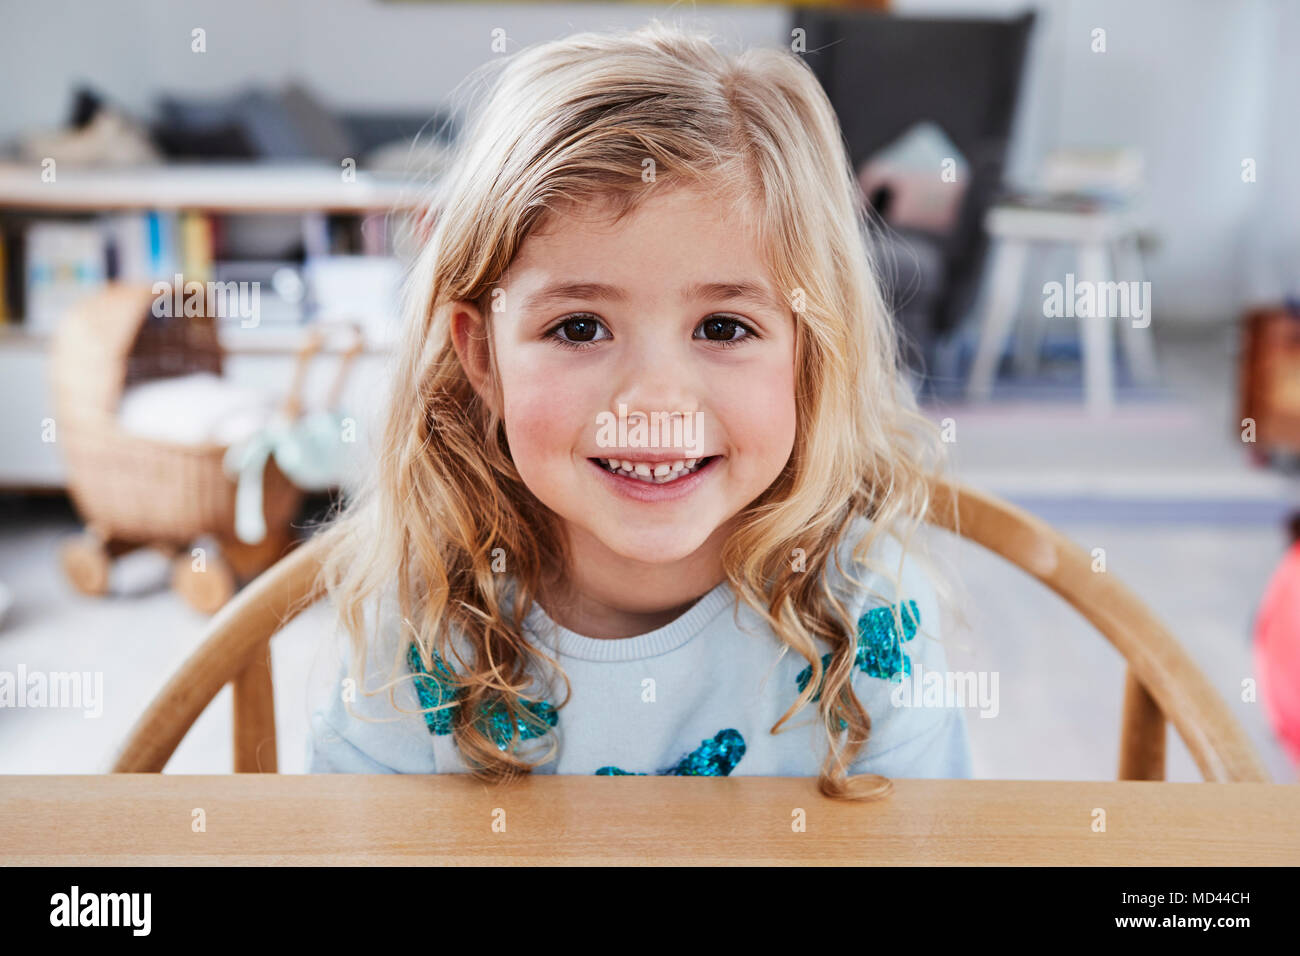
(883, 74)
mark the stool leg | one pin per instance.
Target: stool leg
(1000, 316)
(1097, 334)
(1029, 327)
(1137, 341)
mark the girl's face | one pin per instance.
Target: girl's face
(670, 315)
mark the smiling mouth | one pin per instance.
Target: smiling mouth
(654, 472)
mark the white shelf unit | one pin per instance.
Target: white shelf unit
(253, 356)
(218, 187)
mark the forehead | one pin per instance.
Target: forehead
(680, 237)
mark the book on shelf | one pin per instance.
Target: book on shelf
(65, 262)
(5, 315)
(145, 246)
(14, 275)
(338, 267)
(65, 259)
(197, 240)
(1092, 201)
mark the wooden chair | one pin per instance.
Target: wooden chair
(1162, 681)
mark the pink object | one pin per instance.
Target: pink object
(917, 199)
(1277, 651)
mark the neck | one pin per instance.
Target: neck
(595, 600)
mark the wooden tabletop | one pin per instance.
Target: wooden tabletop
(148, 819)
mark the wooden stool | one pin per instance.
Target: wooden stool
(1106, 245)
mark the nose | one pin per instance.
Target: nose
(660, 385)
(656, 381)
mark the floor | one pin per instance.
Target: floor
(1164, 487)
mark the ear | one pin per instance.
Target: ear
(469, 336)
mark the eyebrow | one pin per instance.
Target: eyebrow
(740, 291)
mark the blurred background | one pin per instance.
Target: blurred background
(1088, 224)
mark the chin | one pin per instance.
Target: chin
(657, 545)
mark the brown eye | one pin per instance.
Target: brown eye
(579, 329)
(720, 328)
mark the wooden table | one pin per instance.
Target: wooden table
(342, 819)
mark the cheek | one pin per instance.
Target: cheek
(544, 409)
(760, 414)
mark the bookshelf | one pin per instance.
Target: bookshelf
(314, 194)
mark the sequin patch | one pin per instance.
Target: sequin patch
(439, 688)
(434, 691)
(712, 758)
(880, 647)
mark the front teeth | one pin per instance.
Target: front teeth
(656, 473)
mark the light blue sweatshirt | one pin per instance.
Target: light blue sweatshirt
(698, 696)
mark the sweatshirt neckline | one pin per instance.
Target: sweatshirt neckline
(659, 641)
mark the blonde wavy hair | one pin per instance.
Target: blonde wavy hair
(572, 122)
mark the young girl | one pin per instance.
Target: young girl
(642, 231)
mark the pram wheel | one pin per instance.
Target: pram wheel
(206, 588)
(86, 562)
(207, 585)
(88, 558)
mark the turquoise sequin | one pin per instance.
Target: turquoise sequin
(712, 758)
(438, 688)
(434, 691)
(880, 647)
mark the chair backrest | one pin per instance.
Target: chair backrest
(1162, 683)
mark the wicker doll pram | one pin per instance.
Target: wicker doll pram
(133, 491)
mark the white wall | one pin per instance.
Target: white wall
(352, 53)
(1267, 244)
(1196, 84)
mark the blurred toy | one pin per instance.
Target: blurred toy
(97, 134)
(1277, 647)
(918, 181)
(1269, 384)
(308, 448)
(156, 477)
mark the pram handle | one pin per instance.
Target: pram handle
(311, 345)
